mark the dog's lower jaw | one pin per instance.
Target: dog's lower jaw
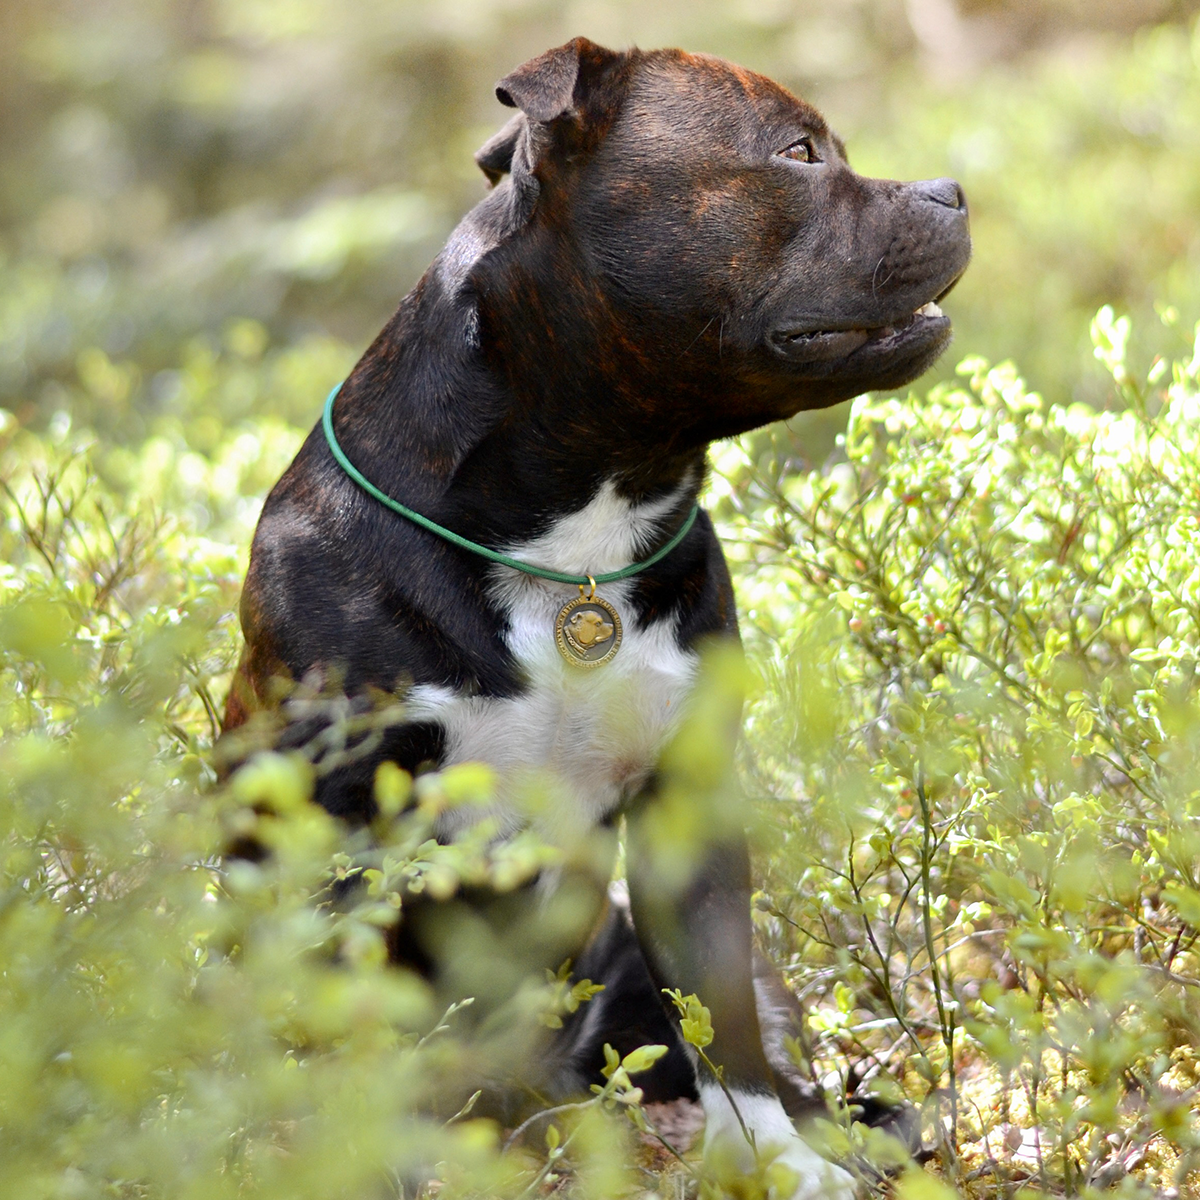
(775, 1138)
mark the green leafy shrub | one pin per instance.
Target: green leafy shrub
(975, 630)
(975, 736)
(977, 635)
(175, 1025)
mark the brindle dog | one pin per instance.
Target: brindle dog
(675, 250)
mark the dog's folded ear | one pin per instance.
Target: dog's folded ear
(495, 156)
(544, 87)
(555, 84)
(561, 94)
(563, 82)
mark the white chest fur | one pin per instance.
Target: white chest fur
(580, 741)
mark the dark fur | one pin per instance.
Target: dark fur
(648, 274)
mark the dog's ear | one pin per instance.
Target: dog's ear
(495, 156)
(554, 84)
(563, 82)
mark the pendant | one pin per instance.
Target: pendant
(587, 630)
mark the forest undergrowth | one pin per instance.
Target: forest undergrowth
(971, 747)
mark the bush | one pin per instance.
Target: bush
(979, 728)
(171, 1025)
(974, 740)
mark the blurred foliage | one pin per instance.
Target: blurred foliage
(168, 168)
(975, 627)
(1083, 175)
(975, 741)
(173, 1025)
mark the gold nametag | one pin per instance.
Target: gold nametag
(587, 630)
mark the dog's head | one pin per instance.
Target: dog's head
(715, 223)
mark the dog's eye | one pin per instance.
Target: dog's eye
(801, 151)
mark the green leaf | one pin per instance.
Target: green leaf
(643, 1058)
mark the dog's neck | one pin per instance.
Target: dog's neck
(589, 381)
(432, 416)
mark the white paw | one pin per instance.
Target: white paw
(815, 1177)
(793, 1168)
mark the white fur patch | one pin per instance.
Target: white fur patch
(774, 1135)
(588, 739)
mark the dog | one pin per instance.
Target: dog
(673, 250)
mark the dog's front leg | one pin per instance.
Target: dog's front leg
(696, 936)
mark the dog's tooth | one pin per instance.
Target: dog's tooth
(928, 310)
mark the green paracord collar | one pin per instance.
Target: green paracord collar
(474, 547)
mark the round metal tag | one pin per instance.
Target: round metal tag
(587, 631)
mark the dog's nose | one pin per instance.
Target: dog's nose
(945, 192)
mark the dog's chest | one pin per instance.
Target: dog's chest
(579, 741)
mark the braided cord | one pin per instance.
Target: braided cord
(474, 547)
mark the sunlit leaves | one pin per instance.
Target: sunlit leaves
(997, 599)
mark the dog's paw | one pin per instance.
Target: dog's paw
(798, 1172)
(788, 1165)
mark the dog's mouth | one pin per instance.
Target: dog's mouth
(927, 324)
